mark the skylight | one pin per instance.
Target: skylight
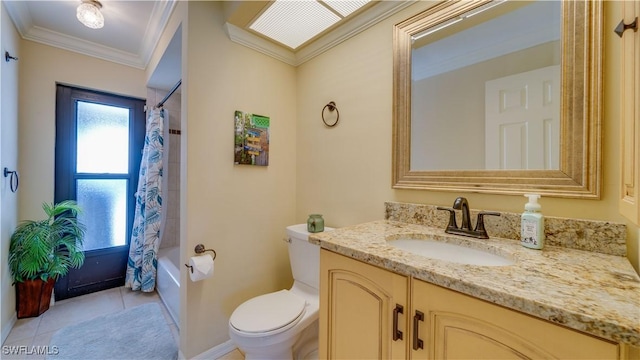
(345, 7)
(294, 22)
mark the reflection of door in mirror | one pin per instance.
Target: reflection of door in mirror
(522, 120)
(453, 67)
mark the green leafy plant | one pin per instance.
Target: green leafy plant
(48, 248)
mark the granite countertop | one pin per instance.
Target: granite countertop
(595, 293)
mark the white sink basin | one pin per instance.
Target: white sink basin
(450, 252)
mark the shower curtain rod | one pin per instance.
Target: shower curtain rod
(173, 89)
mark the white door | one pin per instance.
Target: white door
(522, 120)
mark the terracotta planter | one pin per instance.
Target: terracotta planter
(33, 297)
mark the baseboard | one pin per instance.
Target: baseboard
(217, 351)
(6, 329)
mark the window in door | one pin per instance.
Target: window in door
(99, 139)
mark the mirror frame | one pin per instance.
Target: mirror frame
(581, 111)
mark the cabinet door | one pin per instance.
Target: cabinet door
(358, 310)
(457, 326)
(630, 114)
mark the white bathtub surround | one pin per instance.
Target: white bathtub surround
(168, 280)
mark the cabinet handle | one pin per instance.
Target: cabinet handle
(417, 343)
(620, 29)
(397, 334)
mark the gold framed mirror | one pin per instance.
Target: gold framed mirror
(577, 171)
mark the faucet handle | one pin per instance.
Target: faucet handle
(480, 222)
(452, 217)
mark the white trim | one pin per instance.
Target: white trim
(81, 46)
(8, 326)
(217, 351)
(19, 13)
(159, 18)
(248, 39)
(360, 23)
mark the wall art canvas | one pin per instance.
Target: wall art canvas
(251, 139)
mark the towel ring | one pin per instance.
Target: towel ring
(331, 106)
(13, 180)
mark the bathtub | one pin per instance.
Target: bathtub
(168, 280)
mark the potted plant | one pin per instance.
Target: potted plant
(42, 251)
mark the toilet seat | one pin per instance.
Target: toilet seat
(268, 313)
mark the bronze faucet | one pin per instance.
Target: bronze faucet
(479, 232)
(462, 204)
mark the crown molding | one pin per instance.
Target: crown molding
(248, 39)
(360, 23)
(81, 46)
(19, 13)
(159, 18)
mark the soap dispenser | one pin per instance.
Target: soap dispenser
(532, 224)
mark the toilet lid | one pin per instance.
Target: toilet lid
(267, 312)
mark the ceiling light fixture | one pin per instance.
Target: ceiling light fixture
(88, 13)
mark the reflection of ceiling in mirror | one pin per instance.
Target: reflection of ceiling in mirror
(525, 27)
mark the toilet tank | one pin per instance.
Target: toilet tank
(304, 256)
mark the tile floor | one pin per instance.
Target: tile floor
(234, 355)
(34, 332)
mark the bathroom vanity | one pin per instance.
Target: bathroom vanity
(378, 301)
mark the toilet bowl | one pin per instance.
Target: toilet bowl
(283, 324)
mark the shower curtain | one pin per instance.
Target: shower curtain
(149, 217)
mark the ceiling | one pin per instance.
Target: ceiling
(132, 29)
(130, 33)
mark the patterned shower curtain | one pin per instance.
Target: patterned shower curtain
(148, 223)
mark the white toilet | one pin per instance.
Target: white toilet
(283, 324)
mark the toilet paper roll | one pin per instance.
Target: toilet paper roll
(202, 267)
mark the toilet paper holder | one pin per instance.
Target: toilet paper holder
(199, 249)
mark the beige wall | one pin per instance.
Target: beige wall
(29, 144)
(240, 211)
(41, 67)
(10, 41)
(345, 172)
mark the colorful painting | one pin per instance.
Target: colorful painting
(251, 139)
